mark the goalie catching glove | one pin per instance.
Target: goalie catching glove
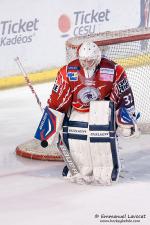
(127, 123)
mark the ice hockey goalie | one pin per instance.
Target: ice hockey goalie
(94, 96)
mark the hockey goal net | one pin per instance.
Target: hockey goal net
(131, 49)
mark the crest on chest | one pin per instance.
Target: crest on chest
(88, 94)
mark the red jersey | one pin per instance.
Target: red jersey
(73, 89)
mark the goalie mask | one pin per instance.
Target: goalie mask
(89, 57)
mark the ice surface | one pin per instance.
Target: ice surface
(34, 193)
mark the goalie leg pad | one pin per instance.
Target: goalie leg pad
(103, 146)
(102, 162)
(91, 138)
(81, 154)
(75, 137)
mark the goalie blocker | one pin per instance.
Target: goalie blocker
(90, 139)
(49, 131)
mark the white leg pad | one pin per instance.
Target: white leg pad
(81, 154)
(101, 125)
(80, 149)
(93, 147)
(102, 162)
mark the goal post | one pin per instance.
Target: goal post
(131, 49)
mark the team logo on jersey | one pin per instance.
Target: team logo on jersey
(55, 87)
(106, 74)
(123, 85)
(47, 126)
(73, 68)
(88, 94)
(72, 76)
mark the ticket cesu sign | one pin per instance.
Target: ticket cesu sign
(83, 22)
(13, 32)
(87, 22)
(99, 16)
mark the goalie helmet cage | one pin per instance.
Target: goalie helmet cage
(129, 48)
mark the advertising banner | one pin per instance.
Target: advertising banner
(36, 31)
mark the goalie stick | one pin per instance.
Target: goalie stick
(28, 81)
(61, 146)
(67, 157)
